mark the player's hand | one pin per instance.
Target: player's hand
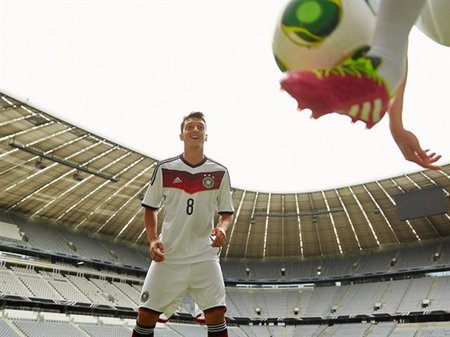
(410, 147)
(157, 251)
(220, 237)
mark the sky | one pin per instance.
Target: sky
(130, 70)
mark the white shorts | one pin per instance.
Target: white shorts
(166, 285)
(433, 21)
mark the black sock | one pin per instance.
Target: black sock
(217, 330)
(143, 331)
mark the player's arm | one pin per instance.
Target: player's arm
(226, 211)
(151, 223)
(220, 231)
(151, 202)
(407, 141)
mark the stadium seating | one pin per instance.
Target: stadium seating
(390, 281)
(18, 323)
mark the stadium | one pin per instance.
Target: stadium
(370, 259)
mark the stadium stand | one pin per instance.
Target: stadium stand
(317, 264)
(5, 329)
(84, 284)
(105, 330)
(58, 273)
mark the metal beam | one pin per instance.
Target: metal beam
(62, 161)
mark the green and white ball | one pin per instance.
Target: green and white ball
(322, 33)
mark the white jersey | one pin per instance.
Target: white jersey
(191, 196)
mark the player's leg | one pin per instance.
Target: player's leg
(145, 323)
(215, 322)
(394, 22)
(361, 88)
(199, 314)
(208, 291)
(163, 288)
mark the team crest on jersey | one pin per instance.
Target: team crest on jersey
(144, 297)
(208, 182)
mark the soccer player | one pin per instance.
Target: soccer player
(192, 188)
(375, 83)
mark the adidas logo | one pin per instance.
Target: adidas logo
(177, 180)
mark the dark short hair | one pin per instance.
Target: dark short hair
(194, 114)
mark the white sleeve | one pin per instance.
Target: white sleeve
(225, 202)
(154, 194)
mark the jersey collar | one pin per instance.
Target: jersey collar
(196, 165)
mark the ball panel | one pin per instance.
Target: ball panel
(351, 33)
(308, 22)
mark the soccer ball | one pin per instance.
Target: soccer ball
(313, 34)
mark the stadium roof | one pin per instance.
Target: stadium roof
(57, 171)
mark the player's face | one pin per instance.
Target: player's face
(194, 131)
